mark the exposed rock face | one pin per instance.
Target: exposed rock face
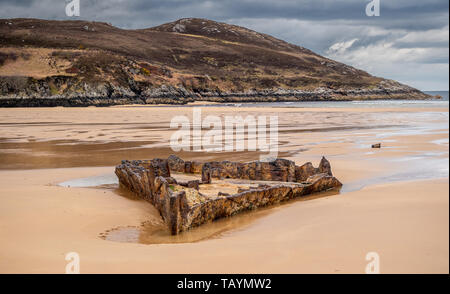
(325, 167)
(206, 174)
(304, 172)
(281, 170)
(194, 184)
(183, 208)
(122, 95)
(161, 167)
(176, 163)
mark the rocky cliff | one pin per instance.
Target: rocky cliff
(79, 63)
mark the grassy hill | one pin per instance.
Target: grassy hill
(46, 63)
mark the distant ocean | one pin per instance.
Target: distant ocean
(444, 94)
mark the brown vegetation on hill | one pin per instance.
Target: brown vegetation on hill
(190, 58)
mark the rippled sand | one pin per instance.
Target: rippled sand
(58, 194)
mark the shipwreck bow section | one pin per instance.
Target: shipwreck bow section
(182, 204)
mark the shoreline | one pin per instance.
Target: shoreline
(207, 99)
(106, 102)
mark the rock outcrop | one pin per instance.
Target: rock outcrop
(38, 93)
(182, 206)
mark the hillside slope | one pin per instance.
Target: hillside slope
(47, 63)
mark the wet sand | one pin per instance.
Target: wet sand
(394, 200)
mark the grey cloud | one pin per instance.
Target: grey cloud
(407, 11)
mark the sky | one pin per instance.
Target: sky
(407, 42)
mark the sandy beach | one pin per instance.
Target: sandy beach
(58, 193)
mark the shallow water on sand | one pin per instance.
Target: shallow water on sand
(414, 146)
(156, 232)
(444, 102)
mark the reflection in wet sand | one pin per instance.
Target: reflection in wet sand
(73, 153)
(155, 232)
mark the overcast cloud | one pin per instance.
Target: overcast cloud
(408, 42)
